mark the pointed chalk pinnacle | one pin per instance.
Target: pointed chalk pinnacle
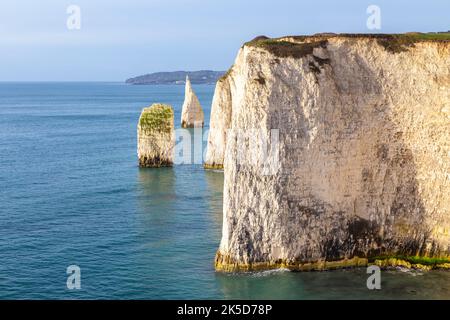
(192, 114)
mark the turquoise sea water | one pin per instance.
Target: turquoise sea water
(71, 194)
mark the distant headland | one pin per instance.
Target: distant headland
(178, 77)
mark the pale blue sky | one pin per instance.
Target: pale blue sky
(123, 38)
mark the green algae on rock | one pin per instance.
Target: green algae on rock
(156, 136)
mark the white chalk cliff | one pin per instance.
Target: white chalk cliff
(192, 113)
(364, 151)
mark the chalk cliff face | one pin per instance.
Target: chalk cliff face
(156, 136)
(192, 113)
(364, 151)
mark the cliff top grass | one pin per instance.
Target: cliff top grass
(158, 117)
(300, 46)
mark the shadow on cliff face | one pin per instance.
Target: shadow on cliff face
(390, 218)
(377, 210)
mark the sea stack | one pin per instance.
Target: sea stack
(219, 123)
(363, 169)
(156, 136)
(192, 114)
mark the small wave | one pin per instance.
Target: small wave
(271, 272)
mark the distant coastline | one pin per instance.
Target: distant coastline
(177, 77)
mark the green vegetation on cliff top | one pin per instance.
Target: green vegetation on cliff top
(304, 45)
(158, 117)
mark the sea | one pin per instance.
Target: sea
(73, 202)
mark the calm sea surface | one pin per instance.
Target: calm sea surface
(71, 194)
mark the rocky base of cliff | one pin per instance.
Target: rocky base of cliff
(213, 166)
(154, 162)
(227, 264)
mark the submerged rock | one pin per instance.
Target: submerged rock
(156, 136)
(363, 151)
(192, 114)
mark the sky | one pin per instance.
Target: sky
(118, 39)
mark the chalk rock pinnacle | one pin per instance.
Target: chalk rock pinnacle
(192, 114)
(156, 136)
(363, 168)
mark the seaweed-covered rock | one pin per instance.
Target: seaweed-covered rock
(192, 113)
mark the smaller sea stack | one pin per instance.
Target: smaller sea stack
(156, 136)
(192, 114)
